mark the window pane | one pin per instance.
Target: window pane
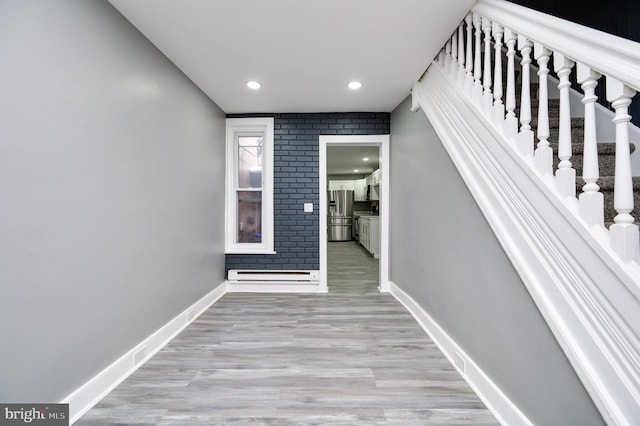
(249, 217)
(250, 161)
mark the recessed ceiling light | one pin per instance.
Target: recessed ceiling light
(365, 159)
(253, 85)
(354, 85)
(355, 171)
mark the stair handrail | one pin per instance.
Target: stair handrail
(606, 53)
(478, 124)
(559, 45)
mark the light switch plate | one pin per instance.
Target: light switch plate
(308, 207)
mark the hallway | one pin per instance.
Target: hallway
(349, 357)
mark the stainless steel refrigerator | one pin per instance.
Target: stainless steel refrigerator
(340, 214)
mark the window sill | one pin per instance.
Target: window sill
(246, 251)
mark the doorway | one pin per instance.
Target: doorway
(381, 141)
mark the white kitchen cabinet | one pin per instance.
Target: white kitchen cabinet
(374, 193)
(369, 232)
(373, 181)
(335, 185)
(360, 190)
(375, 177)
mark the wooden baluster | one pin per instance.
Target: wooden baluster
(477, 65)
(448, 57)
(454, 55)
(591, 201)
(468, 78)
(543, 153)
(525, 136)
(498, 107)
(441, 57)
(487, 97)
(511, 121)
(461, 56)
(623, 233)
(566, 174)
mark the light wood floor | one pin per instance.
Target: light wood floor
(349, 357)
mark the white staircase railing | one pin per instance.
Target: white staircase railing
(495, 33)
(596, 54)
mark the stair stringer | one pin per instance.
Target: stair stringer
(588, 297)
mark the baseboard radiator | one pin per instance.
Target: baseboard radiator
(275, 276)
(272, 280)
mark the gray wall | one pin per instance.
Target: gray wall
(296, 181)
(111, 178)
(464, 280)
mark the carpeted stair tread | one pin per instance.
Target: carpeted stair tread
(604, 148)
(606, 183)
(606, 153)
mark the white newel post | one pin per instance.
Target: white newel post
(477, 64)
(511, 121)
(487, 97)
(591, 199)
(525, 137)
(461, 56)
(498, 106)
(543, 153)
(566, 174)
(468, 78)
(453, 70)
(623, 233)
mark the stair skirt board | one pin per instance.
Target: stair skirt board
(273, 281)
(89, 394)
(589, 298)
(496, 401)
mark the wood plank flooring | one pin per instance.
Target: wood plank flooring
(349, 357)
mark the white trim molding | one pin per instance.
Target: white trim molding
(354, 140)
(278, 287)
(89, 394)
(608, 54)
(496, 401)
(589, 298)
(252, 126)
(273, 281)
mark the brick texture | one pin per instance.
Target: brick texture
(296, 181)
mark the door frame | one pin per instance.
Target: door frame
(382, 141)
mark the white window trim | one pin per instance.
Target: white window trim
(239, 126)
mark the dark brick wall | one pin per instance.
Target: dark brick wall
(296, 181)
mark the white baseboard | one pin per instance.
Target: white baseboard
(505, 411)
(86, 396)
(274, 287)
(588, 296)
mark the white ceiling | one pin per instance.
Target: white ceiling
(344, 160)
(302, 51)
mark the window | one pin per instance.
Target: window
(249, 195)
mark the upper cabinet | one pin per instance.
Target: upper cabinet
(335, 185)
(374, 178)
(360, 187)
(360, 190)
